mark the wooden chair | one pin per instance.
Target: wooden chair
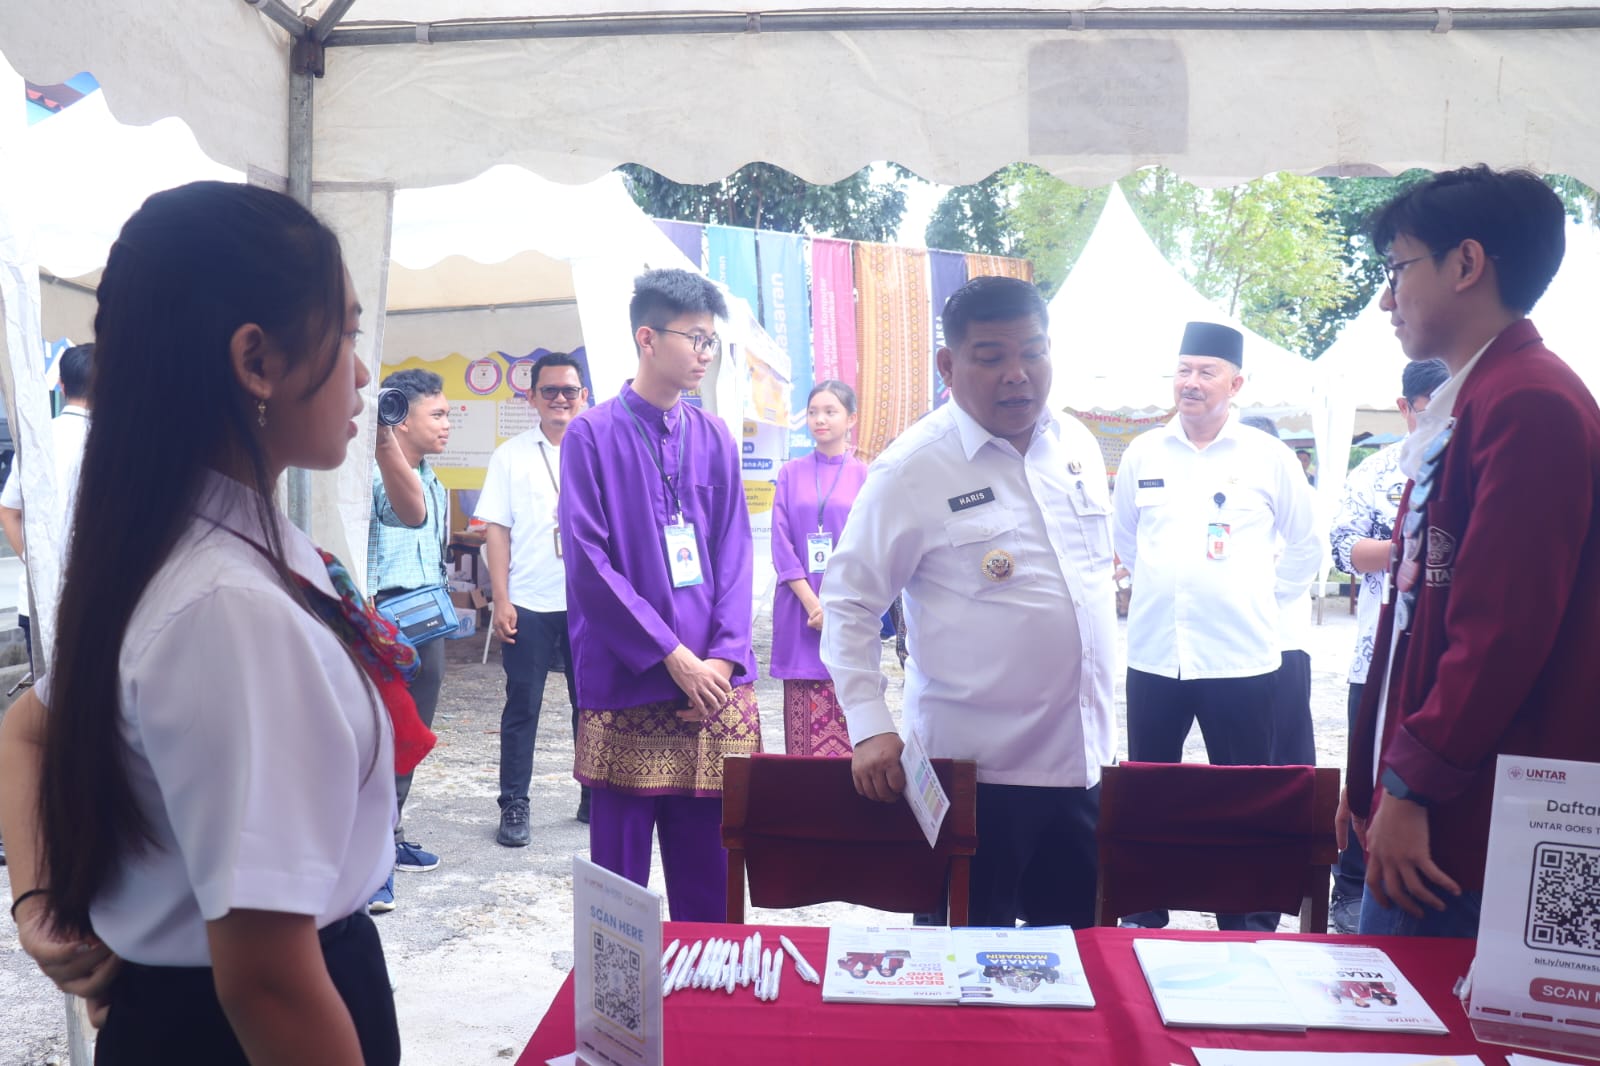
(796, 826)
(1188, 836)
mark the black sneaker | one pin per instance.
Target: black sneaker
(583, 807)
(514, 825)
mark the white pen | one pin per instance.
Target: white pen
(801, 966)
(708, 962)
(688, 967)
(704, 961)
(766, 973)
(733, 973)
(744, 965)
(777, 977)
(666, 959)
(670, 984)
(713, 964)
(733, 961)
(724, 949)
(755, 962)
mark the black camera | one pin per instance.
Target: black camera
(393, 407)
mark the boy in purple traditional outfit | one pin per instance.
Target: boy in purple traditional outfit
(809, 510)
(658, 552)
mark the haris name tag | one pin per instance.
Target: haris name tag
(972, 499)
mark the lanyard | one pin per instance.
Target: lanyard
(548, 469)
(822, 501)
(655, 456)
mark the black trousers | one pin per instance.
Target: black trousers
(1236, 719)
(1294, 741)
(1037, 857)
(541, 646)
(167, 1015)
(1350, 875)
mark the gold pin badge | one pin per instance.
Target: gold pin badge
(1074, 467)
(998, 565)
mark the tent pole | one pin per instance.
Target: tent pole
(303, 61)
(1421, 19)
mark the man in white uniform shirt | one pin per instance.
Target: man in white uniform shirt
(1201, 505)
(990, 517)
(529, 580)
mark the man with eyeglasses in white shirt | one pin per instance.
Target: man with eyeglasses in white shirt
(528, 579)
(990, 516)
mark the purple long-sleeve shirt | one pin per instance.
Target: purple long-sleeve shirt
(795, 645)
(623, 614)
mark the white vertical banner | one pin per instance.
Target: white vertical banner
(362, 216)
(43, 529)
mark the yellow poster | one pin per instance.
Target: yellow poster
(1113, 432)
(487, 408)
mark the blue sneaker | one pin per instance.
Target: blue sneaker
(382, 901)
(411, 859)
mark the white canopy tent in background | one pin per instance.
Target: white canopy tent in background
(1116, 323)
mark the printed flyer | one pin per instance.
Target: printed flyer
(1031, 967)
(885, 964)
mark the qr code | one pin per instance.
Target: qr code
(617, 976)
(1564, 901)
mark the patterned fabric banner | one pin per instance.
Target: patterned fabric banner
(786, 316)
(949, 272)
(833, 311)
(731, 259)
(894, 321)
(984, 266)
(1113, 432)
(687, 236)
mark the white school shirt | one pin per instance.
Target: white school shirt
(265, 774)
(519, 492)
(1009, 602)
(68, 431)
(1196, 617)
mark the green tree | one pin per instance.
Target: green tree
(1265, 252)
(763, 196)
(1053, 221)
(974, 218)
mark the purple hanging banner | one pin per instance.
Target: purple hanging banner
(947, 272)
(686, 235)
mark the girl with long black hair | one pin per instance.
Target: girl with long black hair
(197, 799)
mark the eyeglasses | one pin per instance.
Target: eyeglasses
(700, 341)
(570, 393)
(1391, 271)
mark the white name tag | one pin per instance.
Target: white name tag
(819, 549)
(683, 555)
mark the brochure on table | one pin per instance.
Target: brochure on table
(1536, 977)
(616, 968)
(1228, 1057)
(889, 964)
(1215, 984)
(1335, 986)
(1034, 967)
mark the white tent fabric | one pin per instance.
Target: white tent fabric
(863, 82)
(1116, 322)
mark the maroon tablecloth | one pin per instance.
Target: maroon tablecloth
(704, 1028)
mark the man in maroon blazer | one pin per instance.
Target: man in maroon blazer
(1490, 643)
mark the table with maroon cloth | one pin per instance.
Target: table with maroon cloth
(709, 1027)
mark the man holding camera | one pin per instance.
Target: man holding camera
(524, 553)
(405, 553)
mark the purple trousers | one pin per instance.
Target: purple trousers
(692, 856)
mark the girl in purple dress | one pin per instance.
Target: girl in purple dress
(813, 500)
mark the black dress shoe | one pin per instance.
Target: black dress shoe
(514, 825)
(583, 806)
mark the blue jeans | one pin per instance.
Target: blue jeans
(1459, 917)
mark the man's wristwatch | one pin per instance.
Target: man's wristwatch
(1400, 790)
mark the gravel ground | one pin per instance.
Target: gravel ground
(478, 947)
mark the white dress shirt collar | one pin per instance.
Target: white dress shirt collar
(233, 506)
(974, 436)
(1437, 417)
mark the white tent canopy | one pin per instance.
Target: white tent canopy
(1116, 322)
(426, 92)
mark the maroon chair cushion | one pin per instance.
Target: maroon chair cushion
(810, 838)
(1190, 836)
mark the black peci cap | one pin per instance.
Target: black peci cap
(1210, 338)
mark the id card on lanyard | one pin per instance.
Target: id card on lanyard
(819, 545)
(677, 536)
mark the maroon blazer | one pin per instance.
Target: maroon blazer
(1503, 656)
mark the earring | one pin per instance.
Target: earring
(261, 413)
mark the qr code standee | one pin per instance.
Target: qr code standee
(1564, 899)
(617, 990)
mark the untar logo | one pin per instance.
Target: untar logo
(1533, 773)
